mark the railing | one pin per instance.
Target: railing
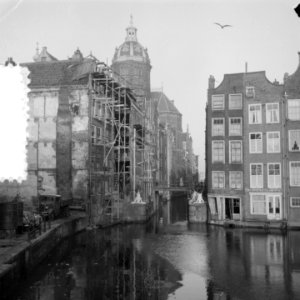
(35, 230)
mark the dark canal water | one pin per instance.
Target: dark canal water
(168, 259)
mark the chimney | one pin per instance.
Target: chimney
(285, 77)
(10, 61)
(77, 55)
(211, 82)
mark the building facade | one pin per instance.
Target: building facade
(245, 117)
(171, 119)
(84, 140)
(291, 163)
(252, 152)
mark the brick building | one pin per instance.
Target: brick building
(170, 117)
(81, 121)
(291, 142)
(252, 152)
(244, 153)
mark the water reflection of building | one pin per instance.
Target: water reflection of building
(253, 264)
(118, 264)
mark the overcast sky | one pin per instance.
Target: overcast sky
(184, 44)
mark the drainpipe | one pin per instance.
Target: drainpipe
(90, 150)
(285, 199)
(134, 163)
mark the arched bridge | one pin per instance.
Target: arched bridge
(173, 188)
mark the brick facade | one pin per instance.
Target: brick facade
(270, 154)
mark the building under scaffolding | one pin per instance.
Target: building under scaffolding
(123, 144)
(89, 141)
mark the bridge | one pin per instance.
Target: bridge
(172, 188)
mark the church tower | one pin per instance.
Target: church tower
(131, 61)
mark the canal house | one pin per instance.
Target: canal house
(252, 150)
(291, 141)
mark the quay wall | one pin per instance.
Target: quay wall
(24, 256)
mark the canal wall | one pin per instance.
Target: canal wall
(22, 256)
(198, 213)
(266, 225)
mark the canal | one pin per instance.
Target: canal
(169, 259)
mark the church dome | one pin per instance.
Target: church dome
(131, 49)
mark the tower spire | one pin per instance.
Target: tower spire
(131, 20)
(131, 31)
(37, 48)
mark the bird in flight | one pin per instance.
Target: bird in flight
(223, 26)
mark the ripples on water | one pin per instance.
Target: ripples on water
(169, 259)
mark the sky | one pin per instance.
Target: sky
(184, 44)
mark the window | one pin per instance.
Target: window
(272, 113)
(295, 173)
(98, 111)
(274, 176)
(218, 102)
(294, 140)
(250, 91)
(218, 151)
(235, 126)
(236, 180)
(255, 142)
(236, 206)
(235, 151)
(256, 176)
(273, 142)
(294, 109)
(218, 179)
(94, 137)
(235, 101)
(295, 201)
(218, 127)
(99, 135)
(254, 114)
(258, 204)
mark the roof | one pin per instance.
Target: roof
(56, 73)
(165, 105)
(131, 49)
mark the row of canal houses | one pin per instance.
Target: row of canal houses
(253, 150)
(100, 137)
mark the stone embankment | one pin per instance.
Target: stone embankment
(20, 255)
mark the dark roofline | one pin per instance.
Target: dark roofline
(172, 108)
(56, 61)
(244, 74)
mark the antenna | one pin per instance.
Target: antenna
(246, 67)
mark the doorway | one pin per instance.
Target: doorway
(274, 207)
(232, 208)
